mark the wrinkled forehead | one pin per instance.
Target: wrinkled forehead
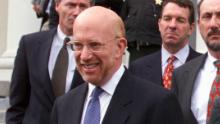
(210, 6)
(93, 22)
(90, 31)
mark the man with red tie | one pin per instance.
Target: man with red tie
(176, 24)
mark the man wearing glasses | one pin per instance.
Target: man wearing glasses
(111, 95)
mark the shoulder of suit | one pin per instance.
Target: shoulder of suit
(148, 58)
(143, 85)
(41, 33)
(192, 64)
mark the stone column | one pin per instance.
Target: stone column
(200, 44)
(16, 18)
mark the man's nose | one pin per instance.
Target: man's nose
(172, 24)
(214, 22)
(85, 53)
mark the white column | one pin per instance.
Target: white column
(16, 18)
(200, 44)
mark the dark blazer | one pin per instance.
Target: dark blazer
(134, 102)
(141, 21)
(31, 94)
(149, 67)
(215, 116)
(183, 83)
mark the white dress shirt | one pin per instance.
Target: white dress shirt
(181, 57)
(105, 97)
(202, 88)
(55, 48)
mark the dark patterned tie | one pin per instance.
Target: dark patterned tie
(215, 90)
(60, 70)
(167, 77)
(92, 115)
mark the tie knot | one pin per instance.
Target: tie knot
(96, 92)
(217, 64)
(66, 40)
(171, 59)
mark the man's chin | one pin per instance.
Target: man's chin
(89, 79)
(214, 47)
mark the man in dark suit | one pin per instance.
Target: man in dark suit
(176, 24)
(32, 93)
(193, 82)
(124, 98)
(141, 24)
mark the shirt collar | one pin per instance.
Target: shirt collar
(110, 85)
(61, 36)
(209, 64)
(181, 55)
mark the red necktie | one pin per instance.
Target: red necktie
(215, 90)
(167, 77)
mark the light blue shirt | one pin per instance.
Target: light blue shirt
(181, 57)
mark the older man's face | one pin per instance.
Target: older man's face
(68, 10)
(209, 23)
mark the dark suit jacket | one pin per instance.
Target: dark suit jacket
(134, 102)
(31, 94)
(183, 83)
(141, 21)
(149, 67)
(215, 116)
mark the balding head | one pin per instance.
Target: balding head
(103, 17)
(99, 43)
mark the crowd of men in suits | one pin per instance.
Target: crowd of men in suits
(175, 85)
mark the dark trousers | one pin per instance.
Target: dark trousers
(137, 52)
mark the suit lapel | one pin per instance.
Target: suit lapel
(192, 54)
(191, 75)
(156, 69)
(77, 104)
(189, 78)
(43, 50)
(120, 105)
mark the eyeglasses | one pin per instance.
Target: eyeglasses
(93, 46)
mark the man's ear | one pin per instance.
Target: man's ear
(121, 45)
